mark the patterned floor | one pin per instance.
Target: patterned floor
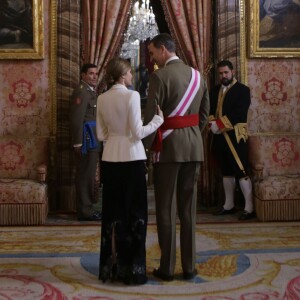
(235, 261)
(203, 217)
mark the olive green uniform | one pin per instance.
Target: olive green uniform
(83, 109)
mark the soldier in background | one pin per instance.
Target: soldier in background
(85, 144)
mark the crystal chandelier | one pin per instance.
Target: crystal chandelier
(142, 25)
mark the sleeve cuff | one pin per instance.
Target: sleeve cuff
(224, 124)
(211, 118)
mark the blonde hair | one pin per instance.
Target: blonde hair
(116, 68)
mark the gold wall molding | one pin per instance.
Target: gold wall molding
(243, 51)
(275, 134)
(53, 65)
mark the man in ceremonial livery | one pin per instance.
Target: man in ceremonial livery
(182, 94)
(85, 143)
(229, 104)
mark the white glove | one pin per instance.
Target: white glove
(214, 127)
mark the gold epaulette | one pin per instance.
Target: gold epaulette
(241, 131)
(211, 118)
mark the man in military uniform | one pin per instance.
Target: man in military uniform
(85, 144)
(182, 94)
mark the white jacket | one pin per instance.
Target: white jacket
(119, 124)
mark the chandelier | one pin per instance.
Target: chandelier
(142, 25)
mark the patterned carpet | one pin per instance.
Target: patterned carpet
(203, 217)
(235, 261)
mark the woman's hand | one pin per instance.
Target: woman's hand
(159, 112)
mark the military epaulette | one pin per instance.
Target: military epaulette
(90, 89)
(241, 131)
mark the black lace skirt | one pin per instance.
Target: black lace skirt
(124, 223)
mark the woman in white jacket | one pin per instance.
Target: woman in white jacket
(124, 207)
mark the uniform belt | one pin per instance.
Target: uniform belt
(175, 122)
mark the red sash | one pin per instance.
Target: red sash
(173, 123)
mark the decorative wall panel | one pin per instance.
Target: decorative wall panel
(275, 106)
(25, 102)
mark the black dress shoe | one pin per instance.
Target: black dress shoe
(96, 216)
(224, 211)
(189, 275)
(139, 279)
(157, 273)
(246, 215)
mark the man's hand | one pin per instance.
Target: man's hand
(214, 127)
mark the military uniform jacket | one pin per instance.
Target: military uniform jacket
(166, 88)
(83, 109)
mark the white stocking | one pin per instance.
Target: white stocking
(229, 186)
(246, 187)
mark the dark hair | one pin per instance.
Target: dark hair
(225, 63)
(86, 67)
(164, 39)
(115, 68)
